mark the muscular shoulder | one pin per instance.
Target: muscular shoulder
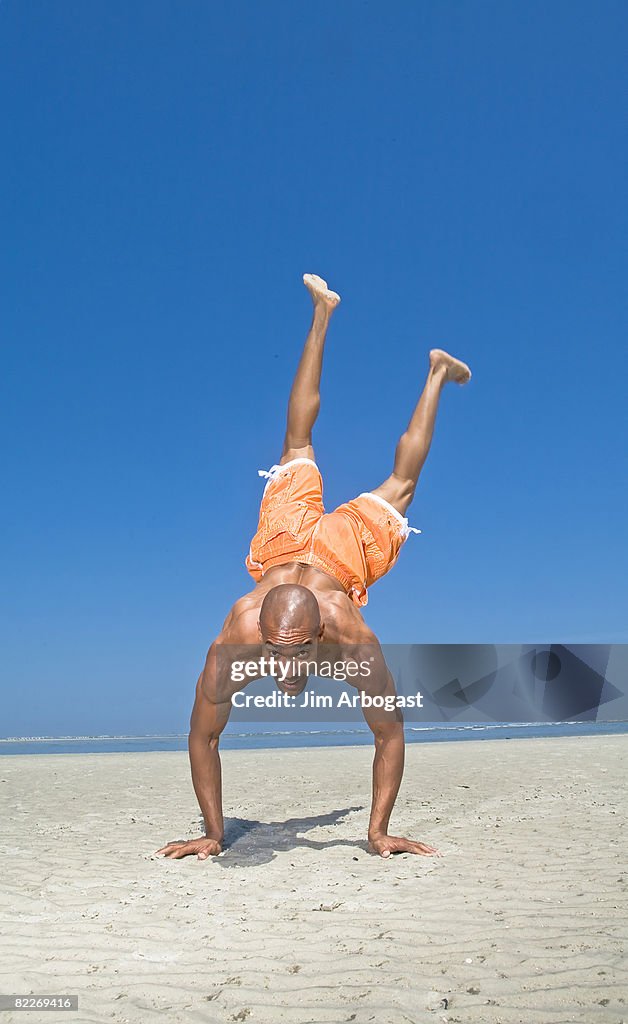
(240, 626)
(344, 623)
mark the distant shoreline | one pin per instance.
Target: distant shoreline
(286, 738)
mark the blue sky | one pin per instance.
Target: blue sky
(455, 170)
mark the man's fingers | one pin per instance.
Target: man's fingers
(425, 849)
(179, 852)
(166, 849)
(431, 849)
(419, 848)
(176, 850)
(201, 847)
(407, 846)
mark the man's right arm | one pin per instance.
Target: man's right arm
(209, 718)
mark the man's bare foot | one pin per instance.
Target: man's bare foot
(320, 292)
(455, 368)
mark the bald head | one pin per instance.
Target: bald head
(291, 611)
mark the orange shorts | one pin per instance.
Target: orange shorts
(357, 543)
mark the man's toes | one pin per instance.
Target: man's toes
(463, 374)
(314, 281)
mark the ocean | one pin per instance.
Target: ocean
(280, 738)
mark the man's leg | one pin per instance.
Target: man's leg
(415, 443)
(304, 400)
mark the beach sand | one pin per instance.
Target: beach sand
(524, 918)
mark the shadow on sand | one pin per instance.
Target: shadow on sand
(252, 843)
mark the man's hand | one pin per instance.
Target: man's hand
(203, 848)
(385, 845)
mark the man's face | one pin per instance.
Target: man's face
(292, 650)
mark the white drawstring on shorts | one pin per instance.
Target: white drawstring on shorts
(269, 474)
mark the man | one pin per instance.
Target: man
(312, 570)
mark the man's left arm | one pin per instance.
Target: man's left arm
(386, 724)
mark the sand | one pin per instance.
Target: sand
(524, 918)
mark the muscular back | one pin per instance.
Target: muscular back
(343, 623)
